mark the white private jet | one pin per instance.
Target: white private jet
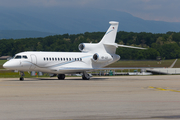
(93, 56)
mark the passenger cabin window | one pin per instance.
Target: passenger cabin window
(53, 59)
(18, 57)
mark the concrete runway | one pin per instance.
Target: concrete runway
(101, 98)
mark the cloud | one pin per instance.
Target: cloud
(164, 10)
(44, 3)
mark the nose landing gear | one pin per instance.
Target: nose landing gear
(22, 74)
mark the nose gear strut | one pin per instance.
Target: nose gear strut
(22, 74)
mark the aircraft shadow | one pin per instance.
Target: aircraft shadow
(75, 79)
(66, 79)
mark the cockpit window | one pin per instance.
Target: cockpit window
(24, 56)
(18, 57)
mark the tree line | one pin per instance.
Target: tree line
(166, 45)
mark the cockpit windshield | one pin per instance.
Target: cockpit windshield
(24, 56)
(17, 57)
(20, 57)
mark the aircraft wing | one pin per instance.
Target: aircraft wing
(78, 69)
(122, 68)
(73, 69)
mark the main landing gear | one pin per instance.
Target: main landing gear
(61, 76)
(22, 74)
(86, 76)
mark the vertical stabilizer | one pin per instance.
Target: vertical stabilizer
(110, 35)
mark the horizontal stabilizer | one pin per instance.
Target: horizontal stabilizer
(117, 45)
(131, 47)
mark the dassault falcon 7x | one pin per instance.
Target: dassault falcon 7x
(93, 56)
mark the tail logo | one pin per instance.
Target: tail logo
(109, 32)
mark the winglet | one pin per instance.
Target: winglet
(173, 64)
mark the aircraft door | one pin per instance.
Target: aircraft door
(33, 61)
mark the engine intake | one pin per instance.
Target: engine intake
(86, 47)
(81, 47)
(102, 58)
(95, 57)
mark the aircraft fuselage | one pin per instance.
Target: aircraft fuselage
(55, 62)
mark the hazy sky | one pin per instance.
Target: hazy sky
(160, 10)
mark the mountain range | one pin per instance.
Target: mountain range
(36, 22)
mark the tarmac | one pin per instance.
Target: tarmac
(100, 98)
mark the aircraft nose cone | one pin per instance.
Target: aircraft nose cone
(5, 65)
(11, 64)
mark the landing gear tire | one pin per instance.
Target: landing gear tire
(61, 76)
(22, 74)
(21, 78)
(85, 78)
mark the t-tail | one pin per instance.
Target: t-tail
(107, 43)
(110, 35)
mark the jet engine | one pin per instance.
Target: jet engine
(102, 57)
(86, 47)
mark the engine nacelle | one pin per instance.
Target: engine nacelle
(102, 58)
(86, 47)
